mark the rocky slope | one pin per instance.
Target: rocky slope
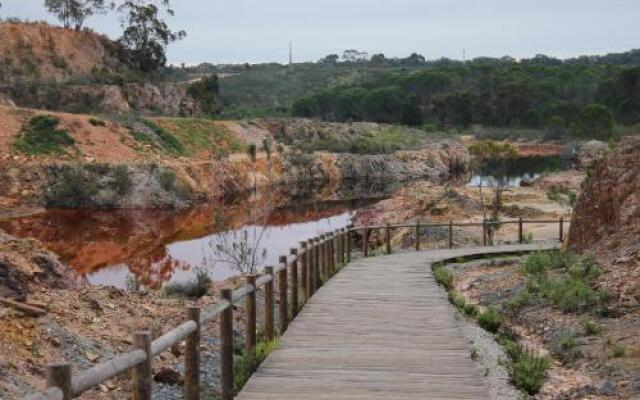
(179, 162)
(38, 52)
(606, 219)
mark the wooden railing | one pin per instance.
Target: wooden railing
(299, 276)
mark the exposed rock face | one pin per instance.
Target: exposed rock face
(606, 218)
(590, 152)
(24, 264)
(442, 160)
(167, 99)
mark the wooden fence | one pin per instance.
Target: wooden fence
(298, 276)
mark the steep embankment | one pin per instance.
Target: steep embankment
(53, 68)
(606, 219)
(38, 52)
(71, 160)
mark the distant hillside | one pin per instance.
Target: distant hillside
(38, 52)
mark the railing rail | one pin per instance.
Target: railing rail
(298, 276)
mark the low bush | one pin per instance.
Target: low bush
(565, 346)
(121, 180)
(590, 327)
(443, 276)
(245, 365)
(490, 320)
(41, 135)
(163, 138)
(97, 122)
(72, 187)
(193, 289)
(618, 351)
(528, 371)
(167, 180)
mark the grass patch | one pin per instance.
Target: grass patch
(379, 141)
(42, 135)
(618, 351)
(490, 320)
(590, 327)
(564, 345)
(528, 371)
(159, 137)
(562, 195)
(245, 365)
(196, 134)
(193, 289)
(564, 280)
(443, 276)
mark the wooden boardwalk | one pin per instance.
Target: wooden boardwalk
(380, 329)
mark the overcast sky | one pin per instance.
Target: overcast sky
(238, 31)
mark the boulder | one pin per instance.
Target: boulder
(589, 153)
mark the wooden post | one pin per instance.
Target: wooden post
(311, 277)
(317, 282)
(388, 238)
(329, 270)
(268, 306)
(226, 347)
(322, 248)
(334, 251)
(59, 376)
(343, 246)
(283, 294)
(451, 234)
(294, 283)
(365, 244)
(250, 309)
(141, 373)
(520, 231)
(418, 236)
(484, 232)
(192, 358)
(304, 264)
(348, 240)
(561, 229)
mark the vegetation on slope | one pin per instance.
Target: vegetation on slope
(42, 135)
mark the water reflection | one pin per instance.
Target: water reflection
(512, 172)
(161, 246)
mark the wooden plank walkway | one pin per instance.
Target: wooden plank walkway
(380, 329)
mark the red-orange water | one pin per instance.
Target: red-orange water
(158, 246)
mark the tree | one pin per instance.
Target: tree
(411, 112)
(146, 35)
(493, 160)
(378, 60)
(330, 59)
(75, 12)
(595, 121)
(206, 92)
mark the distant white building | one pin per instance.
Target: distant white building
(355, 55)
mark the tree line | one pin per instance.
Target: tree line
(583, 96)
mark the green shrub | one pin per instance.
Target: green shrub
(490, 320)
(245, 365)
(167, 180)
(252, 152)
(540, 262)
(41, 135)
(167, 141)
(590, 327)
(529, 372)
(73, 188)
(193, 289)
(122, 181)
(97, 122)
(443, 276)
(519, 301)
(470, 310)
(565, 346)
(618, 351)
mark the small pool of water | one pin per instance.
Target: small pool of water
(512, 172)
